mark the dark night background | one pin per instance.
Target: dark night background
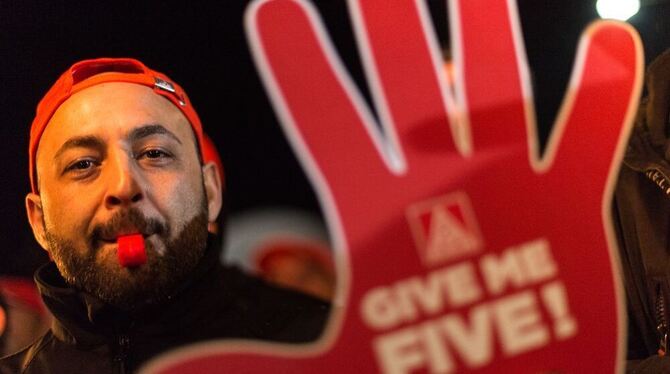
(202, 46)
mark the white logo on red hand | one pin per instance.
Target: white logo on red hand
(445, 229)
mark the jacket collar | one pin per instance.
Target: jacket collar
(82, 319)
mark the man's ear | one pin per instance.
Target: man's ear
(36, 218)
(213, 190)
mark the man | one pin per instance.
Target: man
(641, 217)
(121, 201)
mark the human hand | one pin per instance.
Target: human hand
(457, 246)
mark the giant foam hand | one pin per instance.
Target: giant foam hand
(458, 247)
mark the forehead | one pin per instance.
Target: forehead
(112, 109)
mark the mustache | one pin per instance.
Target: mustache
(124, 221)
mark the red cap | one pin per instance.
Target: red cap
(89, 73)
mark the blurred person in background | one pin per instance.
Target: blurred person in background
(23, 317)
(286, 246)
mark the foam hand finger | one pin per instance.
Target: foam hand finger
(491, 62)
(315, 99)
(599, 104)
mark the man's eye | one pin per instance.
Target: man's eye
(155, 153)
(81, 165)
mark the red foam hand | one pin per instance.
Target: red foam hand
(458, 247)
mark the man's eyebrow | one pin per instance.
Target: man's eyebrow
(151, 129)
(88, 141)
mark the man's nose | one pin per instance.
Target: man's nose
(123, 180)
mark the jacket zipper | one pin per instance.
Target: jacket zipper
(122, 354)
(662, 325)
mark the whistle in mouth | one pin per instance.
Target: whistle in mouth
(130, 250)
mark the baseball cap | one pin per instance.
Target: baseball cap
(87, 73)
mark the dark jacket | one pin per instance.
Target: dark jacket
(641, 217)
(89, 336)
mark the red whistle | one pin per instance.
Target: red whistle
(131, 250)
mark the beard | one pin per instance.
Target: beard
(98, 272)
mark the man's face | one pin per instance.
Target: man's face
(118, 159)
